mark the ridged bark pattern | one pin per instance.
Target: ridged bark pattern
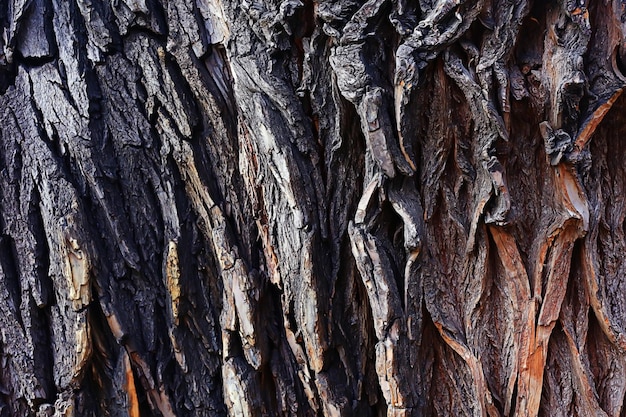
(312, 208)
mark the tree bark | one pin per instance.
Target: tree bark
(312, 208)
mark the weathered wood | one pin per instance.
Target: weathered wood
(312, 208)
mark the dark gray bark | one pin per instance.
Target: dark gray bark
(312, 208)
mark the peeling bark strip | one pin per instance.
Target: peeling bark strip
(312, 208)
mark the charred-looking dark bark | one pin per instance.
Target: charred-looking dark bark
(312, 208)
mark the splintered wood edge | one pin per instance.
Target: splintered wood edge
(589, 127)
(129, 388)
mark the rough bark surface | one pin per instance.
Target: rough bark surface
(312, 208)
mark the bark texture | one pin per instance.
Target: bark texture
(312, 208)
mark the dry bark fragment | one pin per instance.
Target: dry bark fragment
(312, 208)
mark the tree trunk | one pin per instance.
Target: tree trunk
(312, 208)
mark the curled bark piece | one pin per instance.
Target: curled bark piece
(393, 313)
(299, 208)
(424, 44)
(488, 129)
(558, 144)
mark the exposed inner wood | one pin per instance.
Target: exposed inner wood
(312, 208)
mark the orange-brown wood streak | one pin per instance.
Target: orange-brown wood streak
(131, 391)
(594, 120)
(517, 280)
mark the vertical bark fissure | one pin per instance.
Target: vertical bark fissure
(312, 208)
